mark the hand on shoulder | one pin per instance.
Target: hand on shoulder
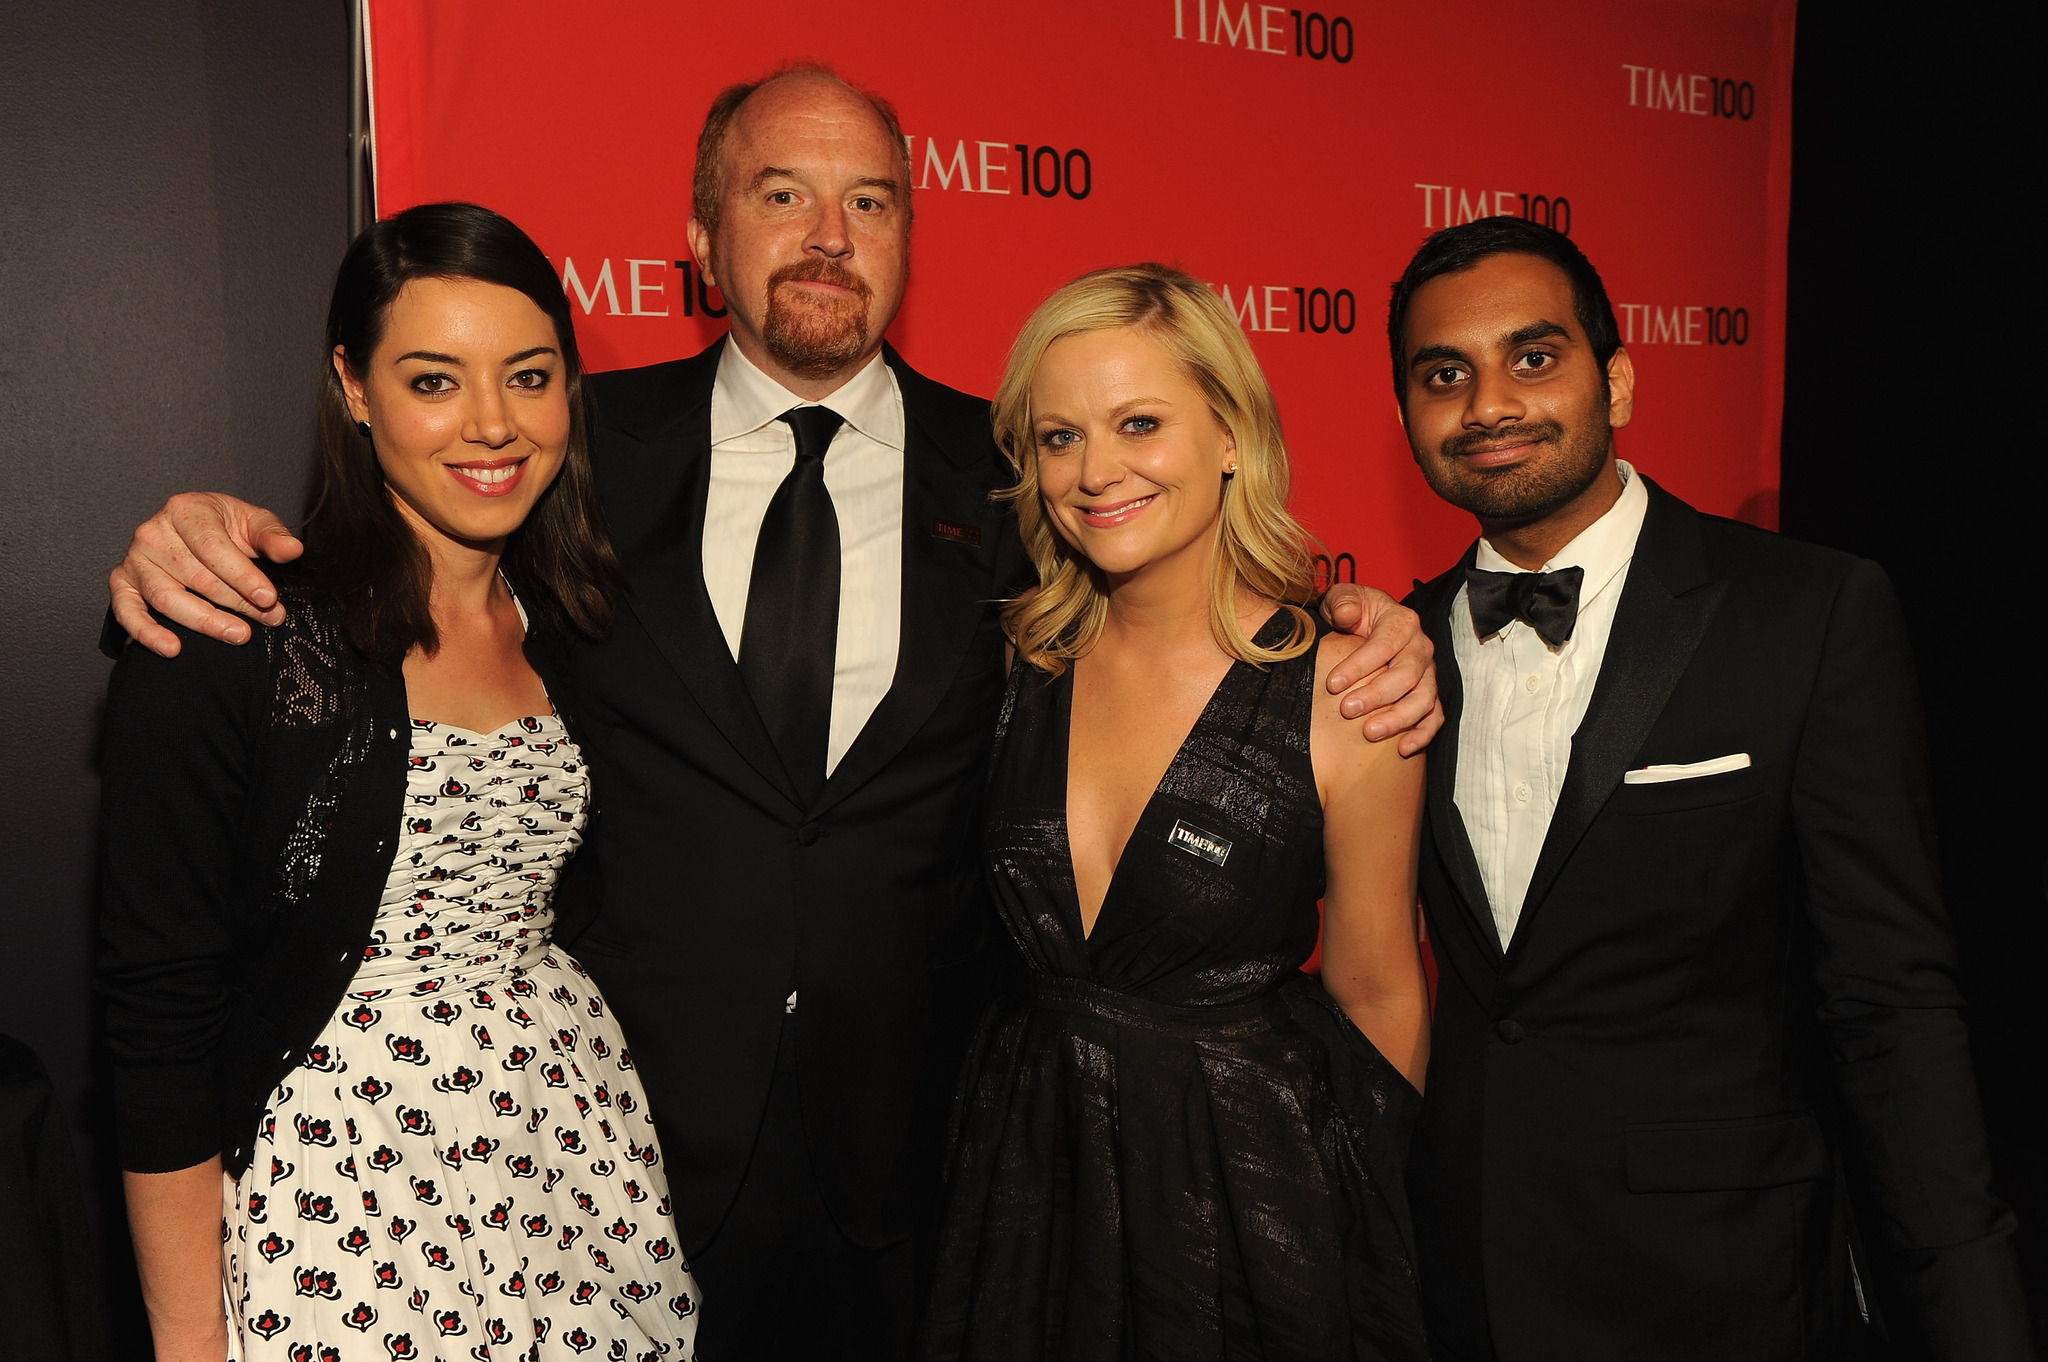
(1343, 760)
(1390, 681)
(194, 555)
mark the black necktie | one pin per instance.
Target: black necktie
(1547, 602)
(792, 629)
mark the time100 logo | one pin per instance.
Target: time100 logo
(1266, 28)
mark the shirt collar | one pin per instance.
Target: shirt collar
(1603, 548)
(744, 400)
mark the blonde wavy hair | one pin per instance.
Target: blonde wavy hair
(1258, 544)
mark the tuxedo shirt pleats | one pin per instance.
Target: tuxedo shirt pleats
(752, 450)
(1525, 699)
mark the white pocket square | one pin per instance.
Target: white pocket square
(1693, 770)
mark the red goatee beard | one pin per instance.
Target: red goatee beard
(818, 337)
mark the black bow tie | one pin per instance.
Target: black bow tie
(1547, 602)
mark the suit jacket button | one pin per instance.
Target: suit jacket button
(807, 834)
(1510, 1031)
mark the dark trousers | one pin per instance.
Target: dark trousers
(779, 1280)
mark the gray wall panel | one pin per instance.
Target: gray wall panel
(173, 200)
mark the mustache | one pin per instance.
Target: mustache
(1527, 432)
(819, 270)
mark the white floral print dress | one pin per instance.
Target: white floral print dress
(464, 1166)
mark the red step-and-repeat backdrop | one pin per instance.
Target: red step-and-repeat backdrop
(1294, 158)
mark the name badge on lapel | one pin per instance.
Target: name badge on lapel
(1195, 842)
(969, 535)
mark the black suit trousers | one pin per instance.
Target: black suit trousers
(781, 1281)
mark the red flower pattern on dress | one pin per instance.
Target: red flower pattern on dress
(463, 929)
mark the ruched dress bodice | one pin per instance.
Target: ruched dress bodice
(1169, 1142)
(464, 1164)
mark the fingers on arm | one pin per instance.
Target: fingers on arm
(221, 535)
(258, 533)
(198, 543)
(1390, 681)
(276, 541)
(1389, 629)
(1343, 605)
(220, 572)
(1413, 718)
(1423, 731)
(131, 612)
(171, 593)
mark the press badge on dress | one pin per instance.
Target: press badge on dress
(1195, 842)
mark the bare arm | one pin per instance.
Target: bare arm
(198, 549)
(1390, 680)
(175, 1219)
(1372, 833)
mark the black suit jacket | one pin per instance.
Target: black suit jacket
(722, 891)
(1727, 1031)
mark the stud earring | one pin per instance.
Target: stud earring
(364, 427)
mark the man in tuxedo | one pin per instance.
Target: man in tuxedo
(1698, 1082)
(789, 726)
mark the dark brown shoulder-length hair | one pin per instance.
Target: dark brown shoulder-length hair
(360, 553)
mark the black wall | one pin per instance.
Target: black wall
(173, 200)
(1914, 349)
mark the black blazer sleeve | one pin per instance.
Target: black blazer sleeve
(177, 767)
(1889, 1002)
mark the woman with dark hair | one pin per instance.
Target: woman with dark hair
(368, 1109)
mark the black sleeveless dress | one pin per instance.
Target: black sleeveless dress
(1170, 1143)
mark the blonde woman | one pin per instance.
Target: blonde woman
(1171, 1142)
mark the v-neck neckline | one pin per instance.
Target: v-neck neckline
(1083, 932)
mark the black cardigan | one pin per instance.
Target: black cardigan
(250, 805)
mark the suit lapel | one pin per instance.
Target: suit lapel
(1665, 608)
(947, 583)
(1447, 825)
(665, 572)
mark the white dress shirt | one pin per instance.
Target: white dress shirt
(1524, 700)
(751, 452)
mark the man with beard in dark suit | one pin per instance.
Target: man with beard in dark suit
(788, 727)
(1698, 1083)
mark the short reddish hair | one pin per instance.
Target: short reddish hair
(707, 189)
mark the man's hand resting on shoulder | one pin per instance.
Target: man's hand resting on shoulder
(1390, 678)
(193, 556)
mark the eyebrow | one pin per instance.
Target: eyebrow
(1434, 354)
(436, 357)
(767, 173)
(1535, 331)
(1120, 409)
